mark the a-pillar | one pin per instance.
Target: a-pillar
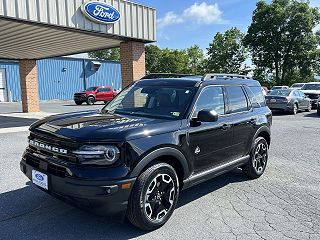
(133, 65)
(29, 85)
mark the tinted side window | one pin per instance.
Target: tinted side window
(211, 98)
(256, 96)
(301, 94)
(104, 90)
(237, 99)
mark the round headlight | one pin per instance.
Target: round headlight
(98, 154)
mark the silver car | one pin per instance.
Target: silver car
(288, 100)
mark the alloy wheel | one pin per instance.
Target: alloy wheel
(159, 198)
(260, 157)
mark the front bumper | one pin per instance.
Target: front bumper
(102, 197)
(314, 102)
(79, 98)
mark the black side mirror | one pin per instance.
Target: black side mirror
(207, 115)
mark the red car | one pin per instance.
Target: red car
(94, 94)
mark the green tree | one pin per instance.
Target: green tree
(226, 53)
(112, 54)
(153, 58)
(174, 61)
(196, 60)
(281, 40)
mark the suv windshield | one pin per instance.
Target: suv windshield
(170, 102)
(91, 88)
(297, 85)
(311, 87)
(279, 93)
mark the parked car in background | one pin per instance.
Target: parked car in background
(94, 94)
(312, 90)
(297, 85)
(288, 100)
(318, 107)
(279, 87)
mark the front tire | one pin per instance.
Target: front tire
(78, 103)
(154, 197)
(258, 159)
(91, 100)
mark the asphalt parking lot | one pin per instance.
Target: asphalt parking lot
(283, 204)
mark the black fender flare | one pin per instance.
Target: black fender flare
(260, 130)
(165, 151)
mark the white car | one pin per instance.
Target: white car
(279, 88)
(297, 85)
(312, 91)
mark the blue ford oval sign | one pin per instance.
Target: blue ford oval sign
(39, 177)
(100, 12)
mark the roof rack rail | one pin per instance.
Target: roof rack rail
(212, 76)
(166, 75)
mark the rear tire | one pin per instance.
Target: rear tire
(318, 111)
(154, 197)
(256, 166)
(295, 109)
(309, 109)
(91, 100)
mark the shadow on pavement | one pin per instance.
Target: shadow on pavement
(29, 213)
(9, 122)
(313, 115)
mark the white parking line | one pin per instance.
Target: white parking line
(14, 129)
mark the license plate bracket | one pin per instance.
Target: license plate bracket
(40, 179)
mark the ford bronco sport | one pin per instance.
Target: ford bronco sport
(154, 139)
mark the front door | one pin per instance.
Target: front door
(210, 141)
(3, 86)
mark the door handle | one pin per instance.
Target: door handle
(225, 127)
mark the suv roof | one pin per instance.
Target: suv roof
(196, 81)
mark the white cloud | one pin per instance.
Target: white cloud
(203, 13)
(198, 12)
(169, 19)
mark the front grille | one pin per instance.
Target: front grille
(79, 95)
(57, 170)
(33, 162)
(313, 96)
(53, 142)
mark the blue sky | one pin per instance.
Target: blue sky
(182, 23)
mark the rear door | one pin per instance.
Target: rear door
(3, 90)
(243, 120)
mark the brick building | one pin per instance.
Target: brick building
(33, 30)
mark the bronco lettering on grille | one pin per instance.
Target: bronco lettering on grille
(45, 146)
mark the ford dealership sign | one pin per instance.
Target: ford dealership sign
(100, 12)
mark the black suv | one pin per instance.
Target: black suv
(155, 138)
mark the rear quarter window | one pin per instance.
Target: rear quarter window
(256, 96)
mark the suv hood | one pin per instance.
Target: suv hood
(95, 126)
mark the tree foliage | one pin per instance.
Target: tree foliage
(281, 40)
(226, 53)
(190, 60)
(112, 54)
